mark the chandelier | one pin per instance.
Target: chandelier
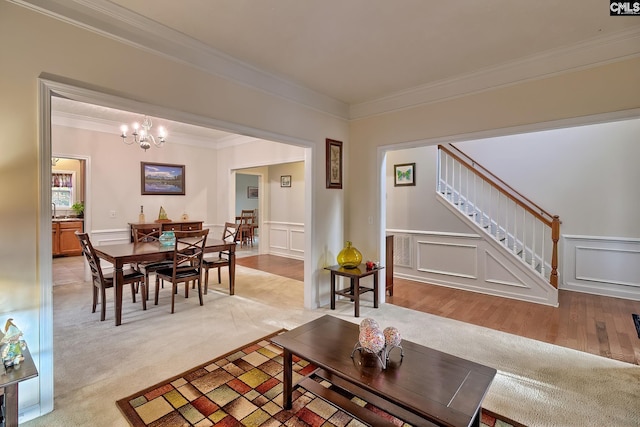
(142, 134)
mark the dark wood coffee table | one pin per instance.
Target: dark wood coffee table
(424, 388)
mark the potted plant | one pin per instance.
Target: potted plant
(78, 208)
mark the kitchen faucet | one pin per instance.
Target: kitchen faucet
(54, 210)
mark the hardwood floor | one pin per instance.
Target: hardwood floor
(281, 266)
(589, 323)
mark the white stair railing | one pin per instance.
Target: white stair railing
(522, 227)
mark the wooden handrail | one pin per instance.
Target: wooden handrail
(499, 184)
(552, 221)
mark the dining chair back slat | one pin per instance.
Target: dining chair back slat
(229, 234)
(187, 263)
(146, 233)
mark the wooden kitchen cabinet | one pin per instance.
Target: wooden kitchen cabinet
(64, 237)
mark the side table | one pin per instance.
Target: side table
(354, 291)
(9, 383)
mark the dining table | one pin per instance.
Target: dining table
(122, 254)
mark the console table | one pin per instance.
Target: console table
(167, 226)
(354, 291)
(9, 383)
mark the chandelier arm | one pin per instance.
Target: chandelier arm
(145, 139)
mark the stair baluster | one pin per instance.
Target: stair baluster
(480, 197)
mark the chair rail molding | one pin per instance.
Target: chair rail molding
(284, 239)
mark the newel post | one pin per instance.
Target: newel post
(555, 236)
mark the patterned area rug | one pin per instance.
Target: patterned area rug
(244, 388)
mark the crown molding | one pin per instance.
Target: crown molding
(592, 53)
(115, 22)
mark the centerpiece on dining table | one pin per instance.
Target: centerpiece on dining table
(162, 216)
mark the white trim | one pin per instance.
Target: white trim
(115, 22)
(621, 280)
(595, 52)
(48, 86)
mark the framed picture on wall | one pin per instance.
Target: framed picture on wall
(162, 179)
(285, 181)
(252, 192)
(404, 174)
(334, 163)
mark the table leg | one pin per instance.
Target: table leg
(11, 405)
(375, 289)
(355, 287)
(117, 289)
(232, 271)
(333, 291)
(476, 420)
(287, 379)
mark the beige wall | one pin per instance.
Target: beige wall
(606, 89)
(114, 178)
(32, 44)
(291, 197)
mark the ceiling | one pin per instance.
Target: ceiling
(360, 57)
(360, 50)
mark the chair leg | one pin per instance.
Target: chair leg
(143, 285)
(133, 291)
(103, 305)
(174, 290)
(200, 292)
(157, 289)
(206, 280)
(95, 298)
(219, 277)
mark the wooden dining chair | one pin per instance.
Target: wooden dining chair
(229, 234)
(246, 227)
(102, 281)
(187, 264)
(148, 233)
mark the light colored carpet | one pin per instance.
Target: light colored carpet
(538, 384)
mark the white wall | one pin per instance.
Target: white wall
(586, 174)
(33, 44)
(286, 204)
(73, 56)
(114, 175)
(285, 229)
(415, 207)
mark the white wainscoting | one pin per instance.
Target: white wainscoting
(608, 266)
(470, 262)
(284, 239)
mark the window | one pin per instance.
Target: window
(62, 189)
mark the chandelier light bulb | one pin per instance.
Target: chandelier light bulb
(142, 134)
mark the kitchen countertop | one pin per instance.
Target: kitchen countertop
(66, 219)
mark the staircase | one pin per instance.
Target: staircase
(526, 231)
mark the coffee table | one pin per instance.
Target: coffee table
(424, 388)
